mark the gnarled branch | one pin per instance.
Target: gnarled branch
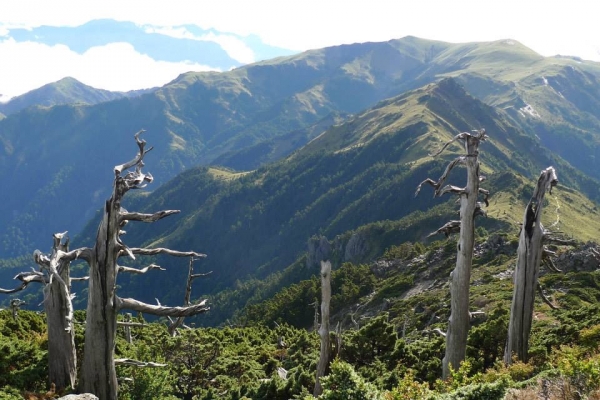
(141, 270)
(160, 250)
(135, 305)
(546, 299)
(135, 363)
(448, 229)
(188, 293)
(138, 158)
(135, 216)
(437, 185)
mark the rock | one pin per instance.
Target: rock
(356, 247)
(584, 258)
(319, 250)
(83, 396)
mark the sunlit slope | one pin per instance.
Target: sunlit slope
(362, 172)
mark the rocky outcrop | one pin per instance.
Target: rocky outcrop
(356, 248)
(583, 258)
(319, 249)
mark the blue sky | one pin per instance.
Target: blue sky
(548, 27)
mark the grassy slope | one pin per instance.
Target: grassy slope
(64, 91)
(355, 174)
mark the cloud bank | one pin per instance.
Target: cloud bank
(116, 67)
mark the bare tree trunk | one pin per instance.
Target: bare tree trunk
(460, 278)
(98, 374)
(174, 325)
(127, 328)
(62, 361)
(324, 329)
(529, 255)
(62, 358)
(458, 324)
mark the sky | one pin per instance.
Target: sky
(549, 27)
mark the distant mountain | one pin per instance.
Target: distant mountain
(54, 161)
(357, 173)
(65, 91)
(180, 43)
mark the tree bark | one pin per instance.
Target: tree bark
(98, 374)
(324, 329)
(458, 324)
(62, 358)
(54, 275)
(460, 278)
(529, 255)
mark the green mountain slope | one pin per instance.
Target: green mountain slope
(259, 222)
(64, 91)
(254, 114)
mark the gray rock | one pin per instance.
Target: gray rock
(356, 247)
(319, 249)
(83, 396)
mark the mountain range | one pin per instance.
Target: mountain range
(328, 142)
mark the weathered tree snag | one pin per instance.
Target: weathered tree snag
(98, 374)
(529, 256)
(15, 305)
(62, 358)
(54, 274)
(324, 329)
(458, 324)
(174, 325)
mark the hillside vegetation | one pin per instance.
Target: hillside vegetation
(254, 114)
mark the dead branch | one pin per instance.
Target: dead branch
(161, 250)
(475, 314)
(125, 323)
(141, 270)
(15, 290)
(188, 293)
(135, 305)
(440, 332)
(486, 195)
(135, 363)
(558, 241)
(437, 185)
(138, 158)
(547, 260)
(135, 216)
(546, 299)
(479, 135)
(26, 278)
(448, 229)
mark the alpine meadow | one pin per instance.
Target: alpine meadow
(332, 269)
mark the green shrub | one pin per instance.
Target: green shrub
(343, 383)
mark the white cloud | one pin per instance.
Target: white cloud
(116, 66)
(233, 46)
(301, 25)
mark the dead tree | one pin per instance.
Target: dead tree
(98, 374)
(458, 324)
(175, 324)
(324, 329)
(54, 274)
(529, 256)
